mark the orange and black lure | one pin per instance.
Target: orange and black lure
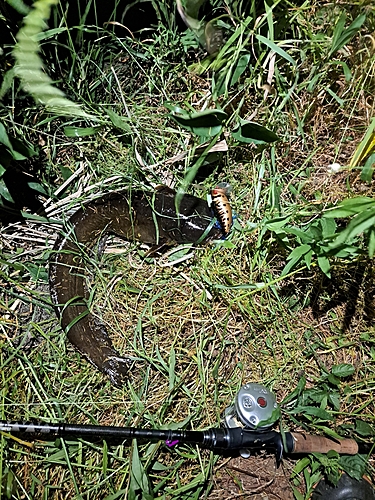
(222, 208)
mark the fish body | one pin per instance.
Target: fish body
(133, 215)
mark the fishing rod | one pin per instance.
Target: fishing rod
(246, 429)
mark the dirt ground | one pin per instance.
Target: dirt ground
(256, 477)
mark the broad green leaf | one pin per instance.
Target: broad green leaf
(119, 121)
(4, 139)
(324, 265)
(302, 235)
(364, 429)
(65, 172)
(253, 132)
(80, 131)
(299, 251)
(37, 187)
(21, 150)
(291, 264)
(204, 123)
(313, 411)
(354, 465)
(332, 379)
(359, 224)
(4, 192)
(350, 206)
(342, 252)
(37, 272)
(277, 223)
(272, 45)
(300, 465)
(308, 258)
(343, 370)
(328, 226)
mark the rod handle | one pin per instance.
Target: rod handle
(308, 443)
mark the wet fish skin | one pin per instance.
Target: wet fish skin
(133, 215)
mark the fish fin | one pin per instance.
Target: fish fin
(117, 369)
(162, 188)
(157, 248)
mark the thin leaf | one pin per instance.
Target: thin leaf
(6, 84)
(337, 31)
(371, 243)
(342, 36)
(240, 67)
(368, 169)
(276, 49)
(171, 369)
(19, 6)
(139, 479)
(365, 147)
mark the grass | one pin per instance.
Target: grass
(199, 328)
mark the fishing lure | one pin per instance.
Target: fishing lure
(222, 206)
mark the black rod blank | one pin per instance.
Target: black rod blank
(217, 439)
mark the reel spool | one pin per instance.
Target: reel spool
(254, 408)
